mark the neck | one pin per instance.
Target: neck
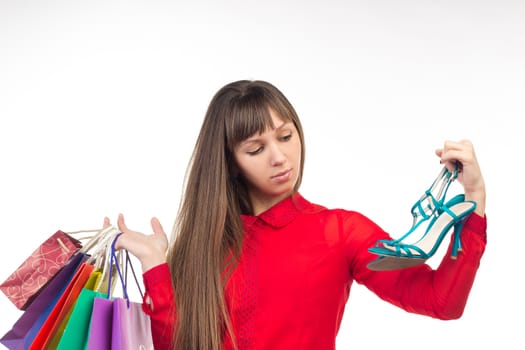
(261, 204)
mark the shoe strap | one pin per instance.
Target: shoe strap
(429, 204)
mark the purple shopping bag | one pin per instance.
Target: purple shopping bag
(27, 326)
(117, 325)
(99, 337)
(131, 326)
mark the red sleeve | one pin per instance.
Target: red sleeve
(159, 304)
(440, 293)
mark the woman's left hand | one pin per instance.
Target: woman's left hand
(149, 249)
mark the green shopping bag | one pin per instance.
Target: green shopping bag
(76, 331)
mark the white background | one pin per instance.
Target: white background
(101, 102)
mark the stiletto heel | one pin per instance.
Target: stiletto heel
(440, 216)
(456, 247)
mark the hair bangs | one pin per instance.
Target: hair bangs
(250, 115)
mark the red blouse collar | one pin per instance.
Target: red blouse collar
(282, 213)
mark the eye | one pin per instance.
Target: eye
(286, 137)
(258, 150)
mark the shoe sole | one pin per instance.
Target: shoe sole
(388, 263)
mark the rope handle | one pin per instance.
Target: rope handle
(123, 279)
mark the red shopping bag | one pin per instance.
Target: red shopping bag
(39, 268)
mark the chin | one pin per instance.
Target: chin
(284, 193)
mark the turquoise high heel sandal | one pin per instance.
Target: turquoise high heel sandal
(440, 216)
(429, 204)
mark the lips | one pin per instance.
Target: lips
(282, 176)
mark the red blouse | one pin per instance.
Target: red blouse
(299, 260)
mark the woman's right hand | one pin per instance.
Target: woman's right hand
(149, 249)
(469, 172)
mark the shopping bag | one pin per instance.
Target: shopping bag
(131, 326)
(28, 279)
(100, 329)
(118, 323)
(53, 328)
(47, 337)
(26, 327)
(77, 328)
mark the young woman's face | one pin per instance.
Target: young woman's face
(270, 163)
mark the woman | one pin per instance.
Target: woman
(253, 264)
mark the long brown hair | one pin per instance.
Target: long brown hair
(208, 232)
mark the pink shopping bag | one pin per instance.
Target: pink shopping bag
(37, 270)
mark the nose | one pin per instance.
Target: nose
(277, 156)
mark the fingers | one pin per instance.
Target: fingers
(150, 249)
(157, 227)
(461, 152)
(155, 224)
(121, 224)
(457, 150)
(106, 222)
